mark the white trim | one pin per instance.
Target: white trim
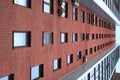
(101, 4)
(85, 74)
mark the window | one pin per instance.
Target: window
(69, 59)
(79, 55)
(88, 36)
(93, 36)
(25, 3)
(94, 73)
(99, 36)
(96, 20)
(74, 37)
(100, 22)
(62, 8)
(21, 39)
(88, 76)
(96, 36)
(90, 50)
(82, 16)
(56, 64)
(85, 52)
(47, 38)
(64, 37)
(10, 77)
(75, 13)
(94, 49)
(88, 18)
(48, 6)
(98, 47)
(37, 72)
(82, 36)
(92, 18)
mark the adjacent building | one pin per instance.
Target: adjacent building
(57, 40)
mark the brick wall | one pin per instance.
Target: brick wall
(19, 60)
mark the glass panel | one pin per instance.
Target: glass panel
(19, 39)
(55, 66)
(62, 37)
(21, 2)
(68, 59)
(34, 72)
(48, 1)
(74, 17)
(63, 5)
(73, 36)
(47, 38)
(46, 8)
(73, 10)
(78, 55)
(63, 14)
(4, 78)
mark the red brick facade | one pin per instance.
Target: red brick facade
(18, 61)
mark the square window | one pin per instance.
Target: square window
(9, 77)
(25, 3)
(47, 38)
(64, 37)
(56, 64)
(74, 37)
(79, 55)
(69, 59)
(21, 39)
(48, 6)
(37, 72)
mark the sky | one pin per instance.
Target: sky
(118, 42)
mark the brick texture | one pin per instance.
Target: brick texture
(19, 60)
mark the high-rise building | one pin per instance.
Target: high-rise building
(58, 39)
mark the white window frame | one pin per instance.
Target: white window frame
(21, 39)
